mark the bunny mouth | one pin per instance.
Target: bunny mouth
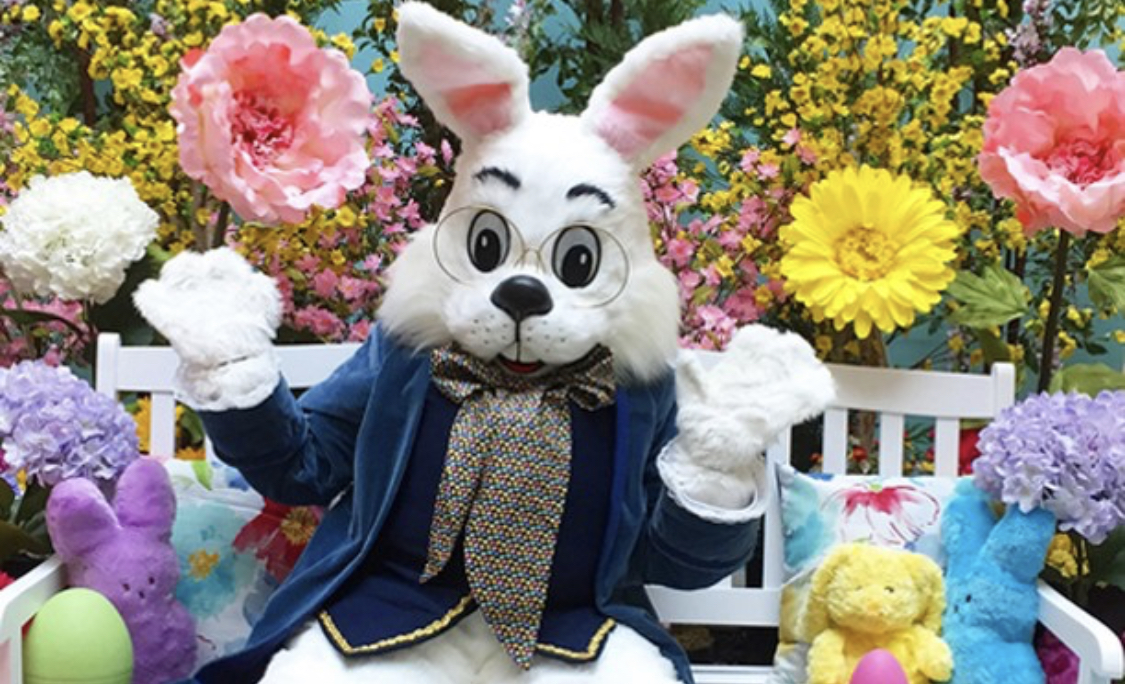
(520, 368)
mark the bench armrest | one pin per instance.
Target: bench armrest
(18, 603)
(24, 597)
(1098, 648)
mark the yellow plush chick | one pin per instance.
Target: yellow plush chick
(865, 597)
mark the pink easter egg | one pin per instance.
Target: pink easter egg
(878, 667)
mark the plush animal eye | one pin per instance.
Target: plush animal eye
(968, 598)
(577, 255)
(890, 590)
(489, 240)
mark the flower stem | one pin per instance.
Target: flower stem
(86, 88)
(1050, 332)
(198, 231)
(20, 320)
(216, 234)
(872, 352)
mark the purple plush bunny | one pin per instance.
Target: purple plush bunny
(125, 553)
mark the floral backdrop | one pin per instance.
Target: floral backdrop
(905, 183)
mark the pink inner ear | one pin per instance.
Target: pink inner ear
(654, 101)
(475, 107)
(479, 102)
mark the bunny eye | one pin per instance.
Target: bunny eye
(151, 580)
(577, 255)
(968, 598)
(489, 241)
(125, 586)
(890, 590)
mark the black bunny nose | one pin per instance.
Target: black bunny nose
(522, 296)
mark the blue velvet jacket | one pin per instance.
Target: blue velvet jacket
(346, 442)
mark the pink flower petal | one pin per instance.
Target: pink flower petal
(270, 122)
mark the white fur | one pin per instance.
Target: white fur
(443, 57)
(767, 381)
(549, 154)
(237, 385)
(718, 32)
(466, 654)
(221, 317)
(733, 496)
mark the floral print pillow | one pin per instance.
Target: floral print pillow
(820, 511)
(234, 549)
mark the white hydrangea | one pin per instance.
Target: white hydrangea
(73, 235)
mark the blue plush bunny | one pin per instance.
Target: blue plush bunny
(990, 590)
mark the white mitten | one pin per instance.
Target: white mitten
(765, 382)
(221, 317)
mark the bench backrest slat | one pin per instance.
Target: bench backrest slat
(894, 395)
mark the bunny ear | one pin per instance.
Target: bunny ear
(814, 619)
(965, 524)
(927, 577)
(145, 500)
(78, 518)
(667, 88)
(473, 83)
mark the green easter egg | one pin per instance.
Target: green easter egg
(78, 637)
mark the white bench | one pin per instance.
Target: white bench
(893, 394)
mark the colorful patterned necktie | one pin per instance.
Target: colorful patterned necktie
(506, 474)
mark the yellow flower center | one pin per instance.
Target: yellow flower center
(202, 563)
(298, 526)
(865, 253)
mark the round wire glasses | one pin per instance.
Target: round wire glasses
(590, 262)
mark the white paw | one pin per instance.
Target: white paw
(212, 307)
(766, 382)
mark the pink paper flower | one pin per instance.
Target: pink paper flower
(892, 515)
(1054, 142)
(270, 122)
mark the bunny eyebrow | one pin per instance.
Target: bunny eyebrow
(593, 190)
(504, 176)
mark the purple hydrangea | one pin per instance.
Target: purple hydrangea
(1064, 452)
(55, 426)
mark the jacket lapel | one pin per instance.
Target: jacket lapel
(391, 423)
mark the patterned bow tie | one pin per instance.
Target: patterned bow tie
(505, 480)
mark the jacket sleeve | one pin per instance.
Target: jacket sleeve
(301, 452)
(680, 549)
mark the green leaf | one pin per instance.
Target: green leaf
(158, 255)
(994, 348)
(119, 314)
(34, 501)
(29, 318)
(193, 425)
(1107, 560)
(1116, 575)
(702, 295)
(7, 497)
(1088, 378)
(14, 539)
(992, 298)
(1107, 284)
(203, 473)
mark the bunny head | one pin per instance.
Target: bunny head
(122, 552)
(873, 590)
(993, 566)
(542, 250)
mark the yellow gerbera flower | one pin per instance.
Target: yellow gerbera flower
(868, 248)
